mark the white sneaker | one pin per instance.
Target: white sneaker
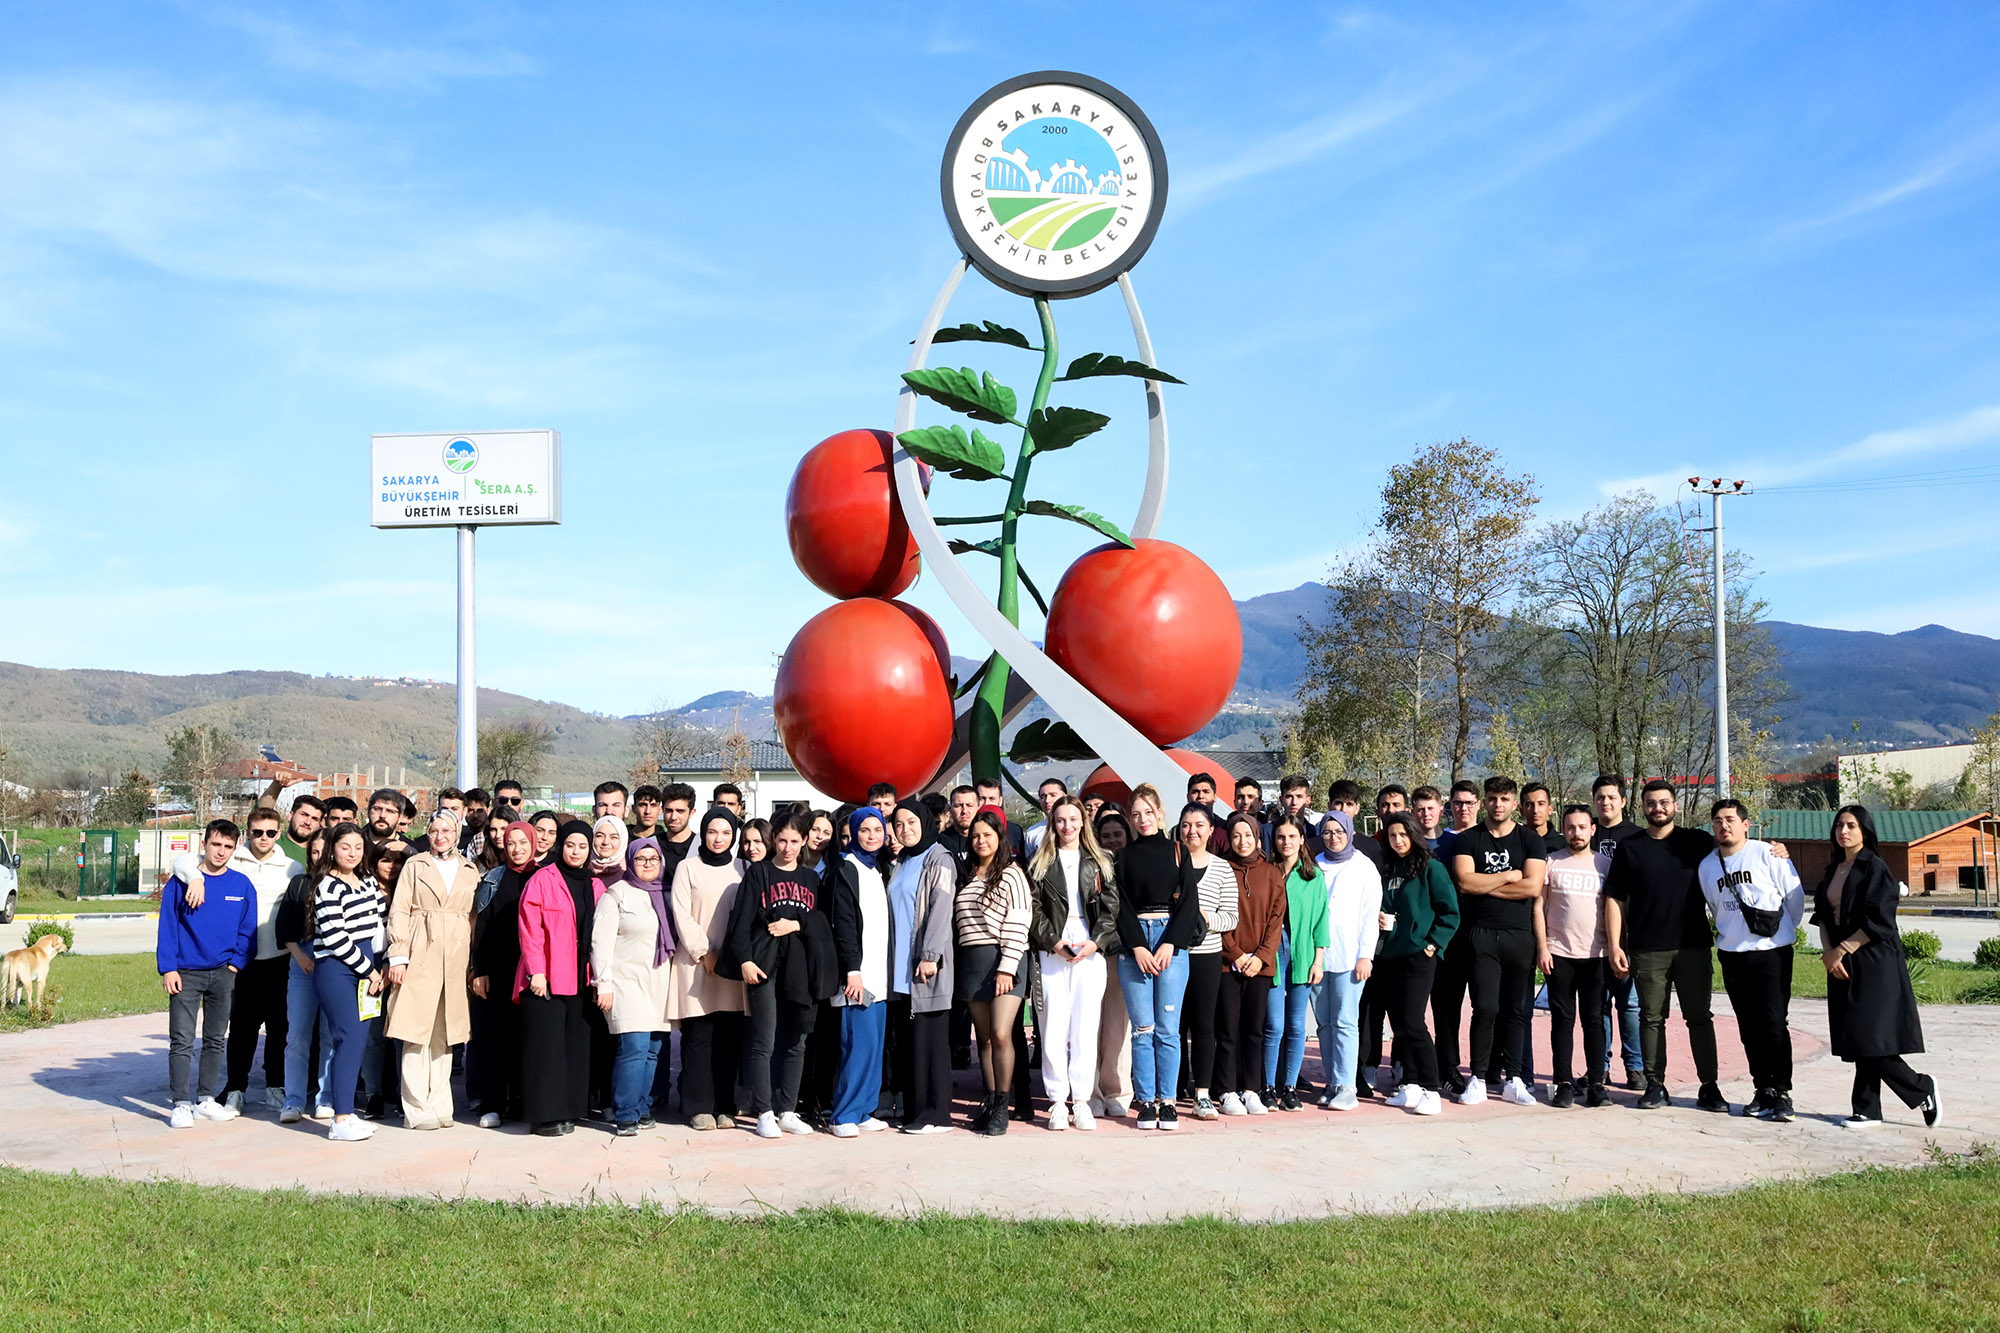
(1058, 1116)
(210, 1109)
(323, 1112)
(790, 1123)
(844, 1131)
(234, 1101)
(1428, 1104)
(490, 1120)
(873, 1126)
(1516, 1092)
(1861, 1122)
(1345, 1100)
(274, 1098)
(928, 1129)
(1407, 1095)
(1080, 1116)
(1232, 1104)
(1254, 1105)
(351, 1130)
(182, 1116)
(1475, 1093)
(1113, 1109)
(767, 1126)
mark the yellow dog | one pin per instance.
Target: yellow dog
(27, 970)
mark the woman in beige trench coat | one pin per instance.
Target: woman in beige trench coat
(430, 950)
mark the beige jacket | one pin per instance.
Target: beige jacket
(702, 898)
(624, 935)
(430, 929)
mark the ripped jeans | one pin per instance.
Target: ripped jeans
(1154, 1005)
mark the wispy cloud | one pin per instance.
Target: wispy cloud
(366, 64)
(1295, 146)
(1969, 156)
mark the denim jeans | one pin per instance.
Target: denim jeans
(857, 1088)
(1286, 1021)
(1621, 1003)
(302, 1020)
(1337, 1009)
(205, 993)
(632, 1075)
(1154, 1005)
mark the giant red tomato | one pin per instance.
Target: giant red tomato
(847, 532)
(1152, 632)
(862, 698)
(1104, 782)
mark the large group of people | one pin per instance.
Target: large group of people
(830, 970)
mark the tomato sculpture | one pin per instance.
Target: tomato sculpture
(863, 696)
(847, 532)
(1107, 784)
(1151, 631)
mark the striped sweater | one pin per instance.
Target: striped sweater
(345, 913)
(999, 917)
(1217, 892)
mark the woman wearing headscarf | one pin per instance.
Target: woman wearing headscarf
(1353, 923)
(1250, 961)
(558, 908)
(862, 926)
(631, 941)
(705, 1001)
(430, 958)
(1301, 952)
(609, 837)
(1075, 927)
(1870, 1004)
(495, 1074)
(920, 969)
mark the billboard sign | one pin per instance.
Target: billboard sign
(480, 478)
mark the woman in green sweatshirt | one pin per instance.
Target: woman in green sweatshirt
(1419, 917)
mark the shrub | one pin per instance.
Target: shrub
(1921, 944)
(40, 928)
(1988, 953)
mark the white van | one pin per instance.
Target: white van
(10, 880)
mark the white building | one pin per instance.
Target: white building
(772, 781)
(1925, 765)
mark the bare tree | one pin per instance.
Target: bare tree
(736, 750)
(195, 758)
(663, 743)
(515, 749)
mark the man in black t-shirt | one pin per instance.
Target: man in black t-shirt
(1538, 813)
(1621, 997)
(1498, 865)
(1656, 932)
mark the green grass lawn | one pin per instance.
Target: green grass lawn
(39, 903)
(1883, 1249)
(1935, 980)
(92, 986)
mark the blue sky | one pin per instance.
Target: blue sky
(1620, 244)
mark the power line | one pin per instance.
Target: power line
(1980, 475)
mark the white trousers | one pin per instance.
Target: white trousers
(1072, 1001)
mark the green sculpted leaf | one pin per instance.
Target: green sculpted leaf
(949, 449)
(1077, 514)
(989, 333)
(1060, 427)
(1093, 364)
(982, 399)
(1047, 738)
(991, 546)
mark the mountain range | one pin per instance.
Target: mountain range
(1930, 685)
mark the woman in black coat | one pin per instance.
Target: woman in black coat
(1870, 1004)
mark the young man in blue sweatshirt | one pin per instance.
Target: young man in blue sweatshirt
(203, 944)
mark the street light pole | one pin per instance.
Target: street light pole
(468, 676)
(1715, 489)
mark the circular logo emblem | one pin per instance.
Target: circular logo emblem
(461, 455)
(1054, 184)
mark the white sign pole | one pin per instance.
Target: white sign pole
(468, 676)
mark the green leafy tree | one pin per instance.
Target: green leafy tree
(514, 749)
(195, 758)
(128, 803)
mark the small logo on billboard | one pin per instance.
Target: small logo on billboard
(461, 455)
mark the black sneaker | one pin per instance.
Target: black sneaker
(647, 1122)
(569, 1126)
(1597, 1096)
(1564, 1097)
(1759, 1106)
(1635, 1080)
(552, 1130)
(1170, 1118)
(627, 1129)
(1711, 1099)
(1149, 1114)
(1781, 1109)
(1288, 1100)
(1654, 1097)
(1933, 1106)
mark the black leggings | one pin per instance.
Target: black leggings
(1576, 982)
(1242, 1006)
(1503, 986)
(1198, 1012)
(1408, 984)
(775, 1035)
(711, 1047)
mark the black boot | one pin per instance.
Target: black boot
(996, 1115)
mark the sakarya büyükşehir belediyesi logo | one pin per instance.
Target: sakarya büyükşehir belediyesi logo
(461, 455)
(1054, 184)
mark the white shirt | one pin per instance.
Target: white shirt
(1353, 911)
(1765, 881)
(1071, 861)
(1032, 838)
(874, 900)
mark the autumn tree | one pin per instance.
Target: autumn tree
(1403, 662)
(128, 803)
(195, 758)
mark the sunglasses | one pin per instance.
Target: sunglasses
(510, 800)
(263, 833)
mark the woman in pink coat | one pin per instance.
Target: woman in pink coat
(552, 984)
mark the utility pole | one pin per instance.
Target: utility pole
(1715, 489)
